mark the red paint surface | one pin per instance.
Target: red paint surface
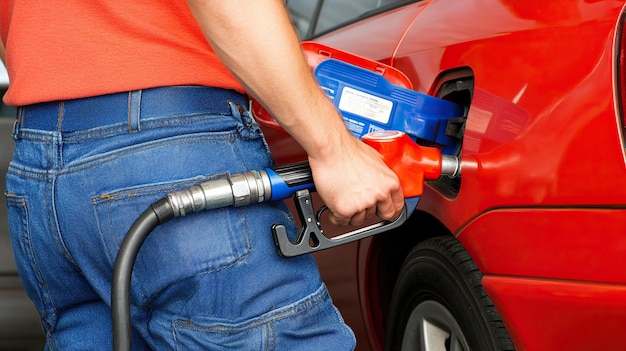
(541, 207)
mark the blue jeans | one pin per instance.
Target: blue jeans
(84, 170)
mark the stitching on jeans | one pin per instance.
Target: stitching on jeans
(148, 124)
(271, 337)
(301, 306)
(92, 161)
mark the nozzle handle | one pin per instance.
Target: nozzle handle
(311, 237)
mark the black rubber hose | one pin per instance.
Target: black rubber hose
(158, 213)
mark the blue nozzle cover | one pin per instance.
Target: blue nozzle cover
(287, 180)
(368, 103)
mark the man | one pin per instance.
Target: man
(121, 102)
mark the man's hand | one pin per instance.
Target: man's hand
(356, 184)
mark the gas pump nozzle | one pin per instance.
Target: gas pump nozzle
(412, 163)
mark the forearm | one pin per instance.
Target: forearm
(257, 42)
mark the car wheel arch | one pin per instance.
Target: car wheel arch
(379, 264)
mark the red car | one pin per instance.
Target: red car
(527, 249)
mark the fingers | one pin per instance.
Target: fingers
(387, 210)
(392, 207)
(339, 220)
(356, 219)
(370, 212)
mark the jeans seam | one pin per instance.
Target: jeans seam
(270, 340)
(49, 309)
(146, 125)
(120, 128)
(294, 309)
(55, 224)
(95, 160)
(146, 190)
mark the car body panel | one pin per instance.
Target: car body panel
(383, 32)
(544, 137)
(575, 257)
(543, 193)
(575, 244)
(514, 116)
(560, 315)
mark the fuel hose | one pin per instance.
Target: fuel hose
(270, 184)
(158, 213)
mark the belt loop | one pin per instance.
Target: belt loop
(234, 109)
(134, 111)
(16, 125)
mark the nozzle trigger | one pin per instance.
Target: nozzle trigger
(311, 237)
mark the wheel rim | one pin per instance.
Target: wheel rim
(431, 327)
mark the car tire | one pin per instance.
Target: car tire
(438, 303)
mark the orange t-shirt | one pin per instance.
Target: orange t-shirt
(59, 50)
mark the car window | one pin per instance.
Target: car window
(5, 110)
(312, 18)
(302, 13)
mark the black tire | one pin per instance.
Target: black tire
(439, 297)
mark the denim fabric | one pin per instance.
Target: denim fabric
(207, 281)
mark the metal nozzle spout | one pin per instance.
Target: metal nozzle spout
(450, 166)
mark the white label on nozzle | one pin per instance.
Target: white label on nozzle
(384, 135)
(365, 105)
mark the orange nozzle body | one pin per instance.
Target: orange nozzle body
(411, 162)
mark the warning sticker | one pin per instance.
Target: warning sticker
(365, 105)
